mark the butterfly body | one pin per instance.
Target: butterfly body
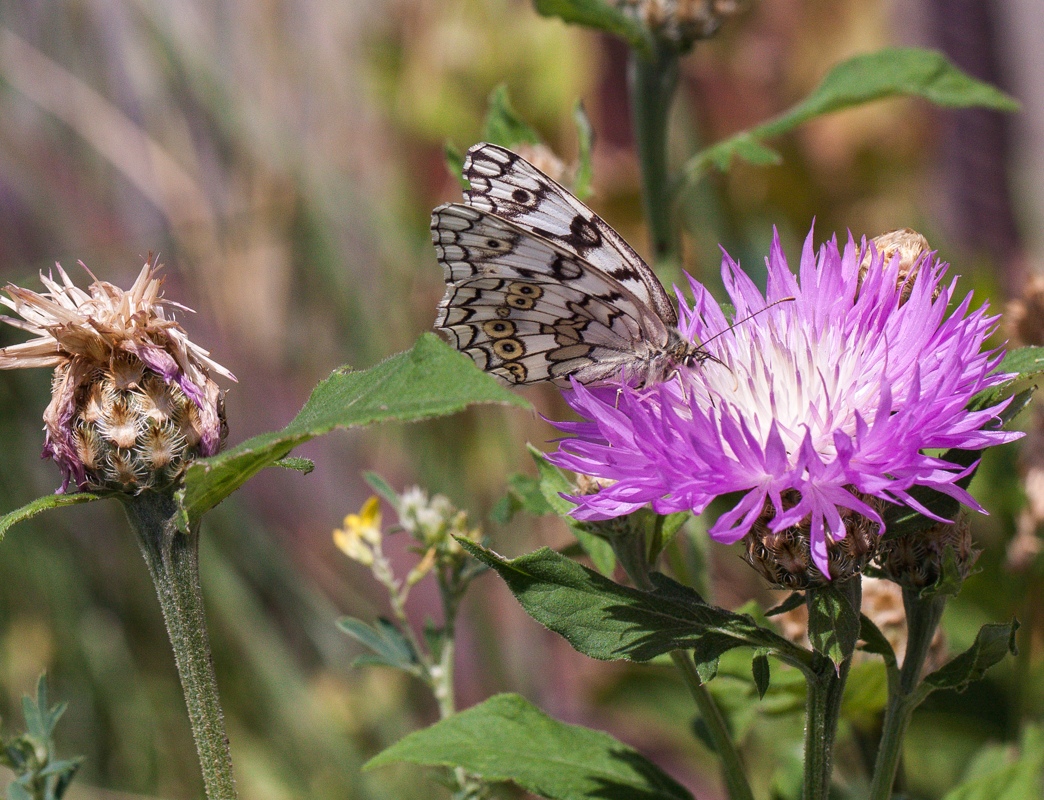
(539, 288)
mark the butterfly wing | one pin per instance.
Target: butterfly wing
(529, 310)
(506, 185)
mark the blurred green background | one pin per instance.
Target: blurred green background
(283, 158)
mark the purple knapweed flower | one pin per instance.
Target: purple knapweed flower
(813, 409)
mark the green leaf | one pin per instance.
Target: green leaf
(503, 125)
(607, 621)
(506, 738)
(381, 486)
(762, 673)
(585, 144)
(892, 72)
(794, 600)
(389, 647)
(993, 642)
(302, 465)
(602, 15)
(430, 380)
(875, 642)
(1026, 363)
(1018, 780)
(833, 624)
(30, 510)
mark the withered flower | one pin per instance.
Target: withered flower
(132, 401)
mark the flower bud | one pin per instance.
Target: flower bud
(131, 398)
(680, 22)
(917, 561)
(913, 251)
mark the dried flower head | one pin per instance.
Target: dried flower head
(1024, 316)
(836, 397)
(680, 22)
(132, 401)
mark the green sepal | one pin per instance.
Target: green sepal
(507, 738)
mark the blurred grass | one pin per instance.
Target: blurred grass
(283, 159)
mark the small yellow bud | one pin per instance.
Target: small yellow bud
(361, 534)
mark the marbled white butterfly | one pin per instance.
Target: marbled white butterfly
(540, 288)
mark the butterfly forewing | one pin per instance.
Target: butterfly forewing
(507, 185)
(539, 288)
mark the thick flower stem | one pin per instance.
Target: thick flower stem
(173, 561)
(823, 709)
(652, 85)
(632, 556)
(922, 618)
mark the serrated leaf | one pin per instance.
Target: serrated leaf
(585, 147)
(992, 643)
(30, 510)
(892, 72)
(430, 380)
(607, 621)
(762, 673)
(389, 647)
(833, 624)
(602, 15)
(503, 125)
(506, 738)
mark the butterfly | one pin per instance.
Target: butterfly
(540, 288)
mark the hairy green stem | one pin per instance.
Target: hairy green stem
(652, 84)
(826, 688)
(632, 556)
(173, 561)
(922, 618)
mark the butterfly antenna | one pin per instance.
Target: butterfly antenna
(740, 322)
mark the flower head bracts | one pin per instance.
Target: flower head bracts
(835, 395)
(131, 398)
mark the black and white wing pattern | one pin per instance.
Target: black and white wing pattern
(539, 288)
